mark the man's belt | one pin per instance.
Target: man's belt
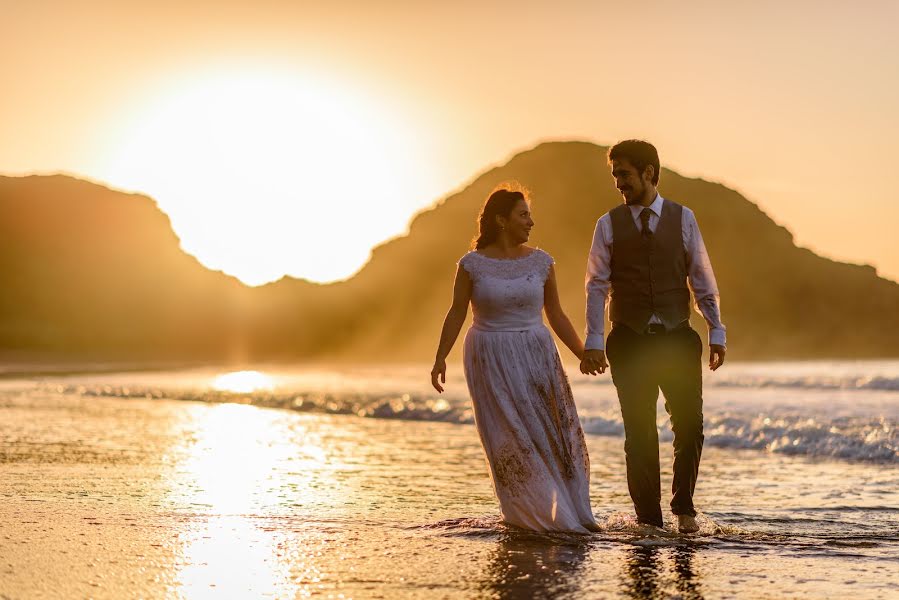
(660, 329)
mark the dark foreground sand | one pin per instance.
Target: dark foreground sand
(115, 498)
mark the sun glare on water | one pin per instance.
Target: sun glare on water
(265, 171)
(243, 382)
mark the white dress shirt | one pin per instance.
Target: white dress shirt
(699, 275)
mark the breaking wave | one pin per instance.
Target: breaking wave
(851, 438)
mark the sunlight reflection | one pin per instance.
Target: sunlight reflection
(243, 467)
(231, 558)
(243, 382)
(233, 464)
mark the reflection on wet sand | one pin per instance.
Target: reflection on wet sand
(533, 566)
(524, 565)
(687, 582)
(239, 468)
(227, 555)
(646, 575)
(642, 570)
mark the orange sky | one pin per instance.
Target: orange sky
(791, 103)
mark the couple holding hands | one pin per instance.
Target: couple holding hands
(646, 258)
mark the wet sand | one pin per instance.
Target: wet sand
(131, 498)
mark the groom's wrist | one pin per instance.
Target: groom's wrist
(717, 337)
(594, 341)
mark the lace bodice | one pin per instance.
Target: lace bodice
(507, 294)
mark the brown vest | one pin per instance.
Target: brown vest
(649, 276)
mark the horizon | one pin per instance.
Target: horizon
(381, 115)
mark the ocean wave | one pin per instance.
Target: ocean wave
(849, 438)
(869, 439)
(809, 382)
(410, 407)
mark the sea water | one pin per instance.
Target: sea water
(364, 482)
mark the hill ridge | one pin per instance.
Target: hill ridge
(779, 300)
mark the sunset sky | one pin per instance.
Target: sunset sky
(290, 137)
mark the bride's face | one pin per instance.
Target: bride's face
(518, 224)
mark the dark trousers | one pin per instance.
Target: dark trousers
(641, 365)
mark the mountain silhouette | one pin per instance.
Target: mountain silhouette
(91, 272)
(87, 271)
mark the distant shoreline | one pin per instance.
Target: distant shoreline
(23, 368)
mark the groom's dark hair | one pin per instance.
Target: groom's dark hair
(639, 153)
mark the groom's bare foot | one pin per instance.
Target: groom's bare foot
(646, 528)
(687, 524)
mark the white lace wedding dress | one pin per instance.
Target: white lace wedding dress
(523, 405)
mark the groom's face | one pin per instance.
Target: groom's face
(628, 181)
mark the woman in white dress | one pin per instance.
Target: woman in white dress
(523, 406)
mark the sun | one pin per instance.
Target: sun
(265, 172)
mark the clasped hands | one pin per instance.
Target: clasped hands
(593, 362)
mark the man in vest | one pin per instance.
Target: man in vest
(645, 253)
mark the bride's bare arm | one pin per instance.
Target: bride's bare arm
(452, 324)
(557, 318)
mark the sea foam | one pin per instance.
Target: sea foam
(788, 431)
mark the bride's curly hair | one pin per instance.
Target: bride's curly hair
(500, 203)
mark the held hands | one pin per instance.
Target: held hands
(594, 362)
(716, 356)
(438, 372)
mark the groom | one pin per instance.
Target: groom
(645, 253)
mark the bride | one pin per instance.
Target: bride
(523, 405)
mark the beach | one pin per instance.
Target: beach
(362, 484)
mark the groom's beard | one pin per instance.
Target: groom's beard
(634, 195)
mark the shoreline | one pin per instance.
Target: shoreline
(18, 366)
(30, 369)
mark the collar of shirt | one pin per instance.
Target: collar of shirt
(655, 207)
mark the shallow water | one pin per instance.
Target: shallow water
(843, 410)
(111, 496)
